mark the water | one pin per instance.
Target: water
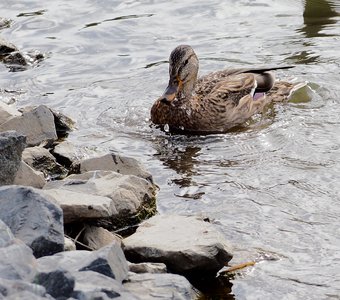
(272, 187)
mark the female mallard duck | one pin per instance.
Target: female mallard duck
(215, 102)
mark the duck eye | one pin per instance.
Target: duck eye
(186, 62)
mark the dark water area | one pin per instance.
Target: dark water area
(272, 187)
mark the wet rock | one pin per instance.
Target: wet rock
(18, 289)
(6, 47)
(98, 237)
(41, 159)
(113, 162)
(11, 146)
(4, 23)
(16, 259)
(65, 153)
(111, 198)
(7, 112)
(59, 284)
(27, 176)
(159, 286)
(15, 58)
(109, 261)
(36, 124)
(148, 268)
(34, 218)
(187, 245)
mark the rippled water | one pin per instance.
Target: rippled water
(273, 186)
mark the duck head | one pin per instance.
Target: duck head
(183, 69)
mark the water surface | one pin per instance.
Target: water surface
(272, 187)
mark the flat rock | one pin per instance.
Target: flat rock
(114, 162)
(98, 237)
(42, 160)
(11, 146)
(109, 261)
(116, 198)
(34, 218)
(36, 124)
(7, 112)
(27, 176)
(187, 245)
(159, 286)
(16, 259)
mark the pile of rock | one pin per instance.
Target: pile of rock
(49, 194)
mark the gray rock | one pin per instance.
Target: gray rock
(69, 245)
(34, 218)
(147, 268)
(6, 47)
(7, 112)
(39, 158)
(63, 123)
(187, 245)
(37, 125)
(16, 259)
(116, 198)
(11, 146)
(114, 162)
(159, 286)
(66, 153)
(27, 176)
(15, 289)
(109, 261)
(59, 284)
(98, 237)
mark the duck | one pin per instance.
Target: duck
(218, 101)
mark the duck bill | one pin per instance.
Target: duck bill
(170, 93)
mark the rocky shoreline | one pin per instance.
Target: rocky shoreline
(60, 214)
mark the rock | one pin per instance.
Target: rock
(6, 47)
(34, 218)
(113, 162)
(15, 58)
(41, 159)
(63, 124)
(159, 286)
(109, 261)
(18, 289)
(98, 237)
(11, 146)
(147, 268)
(58, 283)
(37, 124)
(27, 176)
(111, 198)
(65, 153)
(7, 112)
(4, 23)
(187, 245)
(69, 245)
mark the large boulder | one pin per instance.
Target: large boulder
(34, 218)
(11, 146)
(113, 162)
(109, 198)
(36, 124)
(159, 286)
(187, 245)
(109, 261)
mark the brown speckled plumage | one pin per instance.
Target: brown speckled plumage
(215, 102)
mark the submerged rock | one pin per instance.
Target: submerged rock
(34, 218)
(36, 124)
(11, 146)
(159, 286)
(187, 245)
(107, 197)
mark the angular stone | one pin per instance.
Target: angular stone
(63, 123)
(16, 259)
(109, 261)
(58, 283)
(159, 286)
(98, 237)
(7, 112)
(114, 162)
(187, 245)
(18, 289)
(37, 125)
(65, 153)
(11, 146)
(34, 218)
(126, 195)
(147, 268)
(42, 160)
(27, 176)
